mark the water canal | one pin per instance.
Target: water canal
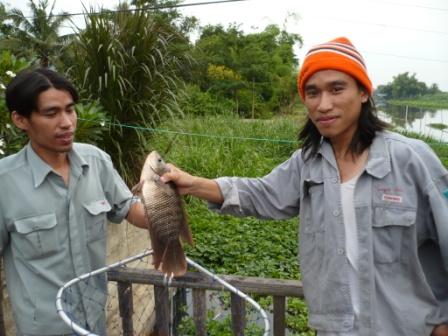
(428, 122)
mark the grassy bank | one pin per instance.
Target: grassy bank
(437, 101)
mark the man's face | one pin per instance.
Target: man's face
(333, 100)
(52, 126)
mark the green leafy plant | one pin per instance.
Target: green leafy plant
(128, 61)
(93, 123)
(11, 138)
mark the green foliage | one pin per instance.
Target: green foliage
(254, 70)
(93, 123)
(435, 101)
(222, 150)
(193, 101)
(11, 138)
(37, 37)
(130, 62)
(296, 318)
(406, 86)
(439, 126)
(216, 327)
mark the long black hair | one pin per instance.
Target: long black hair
(368, 125)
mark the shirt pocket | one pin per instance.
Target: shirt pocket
(391, 227)
(36, 236)
(96, 219)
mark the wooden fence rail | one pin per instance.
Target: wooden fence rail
(277, 288)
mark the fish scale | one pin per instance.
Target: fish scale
(166, 219)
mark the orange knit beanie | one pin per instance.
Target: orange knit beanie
(338, 54)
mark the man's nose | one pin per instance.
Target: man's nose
(66, 120)
(325, 103)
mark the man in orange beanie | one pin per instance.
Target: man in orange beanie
(373, 207)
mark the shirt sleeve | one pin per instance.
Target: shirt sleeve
(117, 192)
(437, 193)
(274, 196)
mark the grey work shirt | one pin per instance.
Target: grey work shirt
(51, 233)
(401, 208)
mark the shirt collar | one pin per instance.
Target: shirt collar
(40, 169)
(78, 164)
(327, 152)
(378, 162)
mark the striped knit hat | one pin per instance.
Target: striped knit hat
(338, 54)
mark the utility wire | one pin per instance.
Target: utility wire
(410, 5)
(212, 136)
(144, 9)
(384, 25)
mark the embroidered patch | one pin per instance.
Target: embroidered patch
(392, 198)
(445, 193)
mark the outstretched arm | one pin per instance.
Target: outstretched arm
(187, 184)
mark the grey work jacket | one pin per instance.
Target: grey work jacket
(401, 208)
(51, 233)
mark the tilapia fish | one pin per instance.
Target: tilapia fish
(167, 220)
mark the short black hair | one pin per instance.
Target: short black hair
(22, 92)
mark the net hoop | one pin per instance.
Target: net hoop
(81, 331)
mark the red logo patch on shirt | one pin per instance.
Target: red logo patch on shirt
(392, 198)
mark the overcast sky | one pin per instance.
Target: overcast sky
(394, 36)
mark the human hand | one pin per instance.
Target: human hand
(183, 180)
(440, 330)
(187, 184)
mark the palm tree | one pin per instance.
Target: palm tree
(131, 62)
(37, 36)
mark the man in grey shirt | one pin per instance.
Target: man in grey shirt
(56, 197)
(373, 207)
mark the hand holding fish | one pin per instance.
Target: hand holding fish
(193, 185)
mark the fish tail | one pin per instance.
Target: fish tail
(173, 259)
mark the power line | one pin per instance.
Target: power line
(409, 57)
(411, 5)
(144, 9)
(384, 25)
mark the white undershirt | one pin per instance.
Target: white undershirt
(351, 247)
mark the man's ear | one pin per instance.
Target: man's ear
(19, 120)
(364, 95)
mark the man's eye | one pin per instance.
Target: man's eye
(337, 89)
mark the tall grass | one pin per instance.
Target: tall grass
(217, 146)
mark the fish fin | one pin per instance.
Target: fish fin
(185, 231)
(173, 260)
(137, 189)
(158, 248)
